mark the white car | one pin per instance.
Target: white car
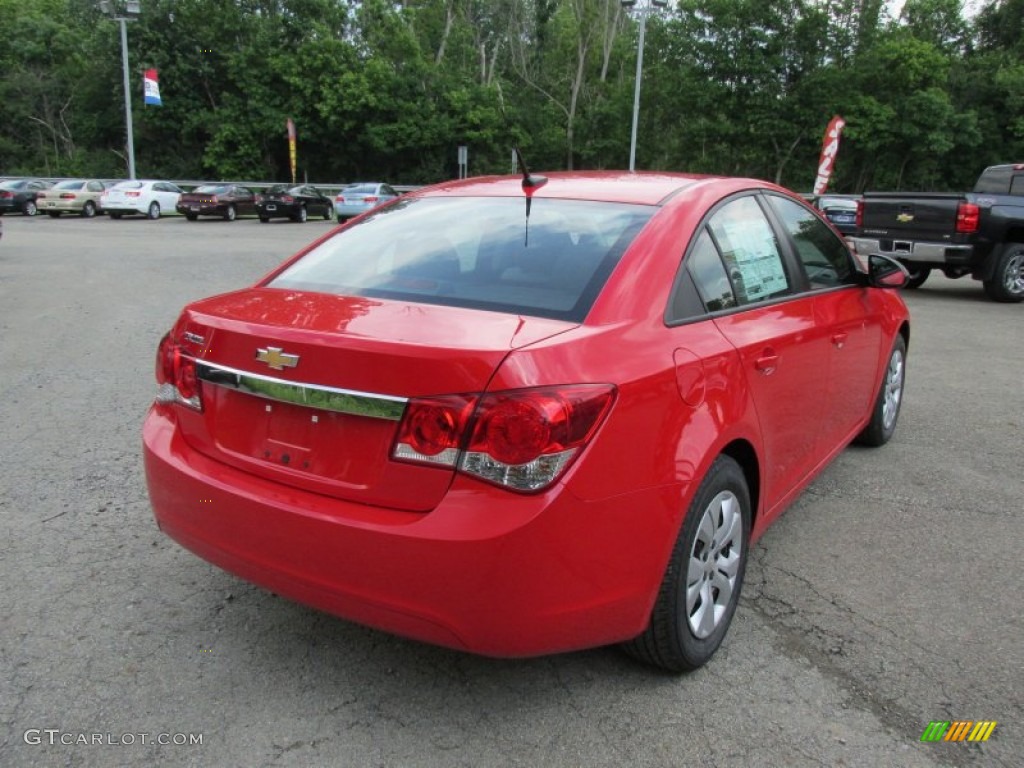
(140, 196)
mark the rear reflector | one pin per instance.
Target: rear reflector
(519, 439)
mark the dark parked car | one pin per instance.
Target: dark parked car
(20, 195)
(296, 202)
(841, 211)
(225, 200)
(359, 198)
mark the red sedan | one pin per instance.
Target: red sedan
(521, 415)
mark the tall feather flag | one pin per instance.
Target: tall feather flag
(829, 150)
(152, 88)
(291, 146)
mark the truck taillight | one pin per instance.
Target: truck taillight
(176, 374)
(521, 439)
(860, 214)
(967, 215)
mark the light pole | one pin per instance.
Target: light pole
(123, 12)
(643, 11)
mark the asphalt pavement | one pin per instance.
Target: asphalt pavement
(887, 597)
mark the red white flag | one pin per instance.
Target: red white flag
(152, 88)
(829, 150)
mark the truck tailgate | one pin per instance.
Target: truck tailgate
(929, 217)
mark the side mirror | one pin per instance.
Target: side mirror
(885, 272)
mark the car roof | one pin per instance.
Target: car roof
(643, 188)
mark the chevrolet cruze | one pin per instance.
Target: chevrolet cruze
(525, 415)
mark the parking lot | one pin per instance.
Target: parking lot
(887, 597)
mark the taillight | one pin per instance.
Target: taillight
(371, 199)
(519, 439)
(132, 194)
(6, 195)
(258, 198)
(967, 215)
(432, 429)
(177, 376)
(287, 199)
(339, 199)
(67, 195)
(860, 214)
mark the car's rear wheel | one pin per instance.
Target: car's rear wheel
(30, 208)
(54, 214)
(154, 210)
(890, 397)
(115, 215)
(701, 586)
(264, 219)
(301, 215)
(1007, 283)
(89, 209)
(328, 213)
(918, 275)
(191, 216)
(230, 214)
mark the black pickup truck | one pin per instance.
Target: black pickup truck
(979, 233)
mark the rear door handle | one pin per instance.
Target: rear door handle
(839, 339)
(767, 363)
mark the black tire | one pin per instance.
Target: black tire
(191, 216)
(89, 209)
(53, 214)
(115, 215)
(918, 275)
(230, 214)
(29, 208)
(671, 641)
(301, 215)
(265, 219)
(886, 410)
(328, 213)
(1007, 283)
(153, 212)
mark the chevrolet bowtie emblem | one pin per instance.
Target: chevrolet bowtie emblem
(904, 218)
(277, 358)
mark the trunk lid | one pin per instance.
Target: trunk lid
(308, 389)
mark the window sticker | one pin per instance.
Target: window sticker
(751, 255)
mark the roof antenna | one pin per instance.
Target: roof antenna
(531, 184)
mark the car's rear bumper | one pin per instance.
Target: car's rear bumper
(121, 208)
(199, 209)
(351, 210)
(915, 250)
(487, 571)
(64, 206)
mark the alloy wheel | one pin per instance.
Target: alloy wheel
(714, 563)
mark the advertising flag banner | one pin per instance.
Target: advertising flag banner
(291, 147)
(152, 88)
(829, 150)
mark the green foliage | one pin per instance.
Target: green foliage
(389, 91)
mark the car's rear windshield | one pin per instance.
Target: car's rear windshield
(481, 253)
(69, 185)
(212, 189)
(361, 189)
(282, 189)
(128, 185)
(13, 184)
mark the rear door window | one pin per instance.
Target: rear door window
(750, 251)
